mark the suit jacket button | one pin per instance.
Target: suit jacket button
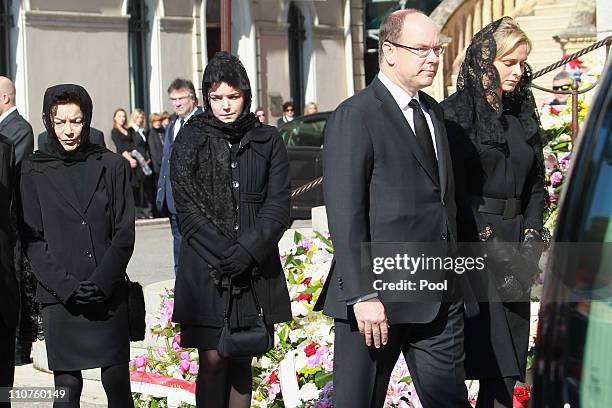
(443, 236)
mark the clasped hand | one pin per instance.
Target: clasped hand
(236, 261)
(372, 322)
(88, 293)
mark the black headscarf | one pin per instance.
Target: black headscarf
(208, 190)
(477, 107)
(56, 153)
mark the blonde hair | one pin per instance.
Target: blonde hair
(136, 112)
(308, 106)
(508, 35)
(153, 117)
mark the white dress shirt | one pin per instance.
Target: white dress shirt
(8, 112)
(402, 98)
(177, 122)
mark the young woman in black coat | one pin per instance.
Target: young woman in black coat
(77, 221)
(497, 157)
(230, 181)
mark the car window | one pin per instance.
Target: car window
(304, 132)
(595, 315)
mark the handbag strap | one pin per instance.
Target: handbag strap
(228, 303)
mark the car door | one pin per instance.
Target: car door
(304, 140)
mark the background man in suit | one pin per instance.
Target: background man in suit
(388, 178)
(9, 289)
(95, 136)
(12, 125)
(184, 102)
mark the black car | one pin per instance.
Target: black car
(303, 137)
(573, 364)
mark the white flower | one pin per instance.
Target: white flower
(309, 392)
(301, 360)
(265, 362)
(298, 309)
(295, 335)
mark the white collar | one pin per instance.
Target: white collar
(8, 112)
(402, 98)
(188, 116)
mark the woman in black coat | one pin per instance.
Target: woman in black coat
(498, 163)
(230, 181)
(77, 220)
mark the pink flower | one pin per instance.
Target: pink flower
(551, 162)
(184, 355)
(140, 369)
(193, 368)
(306, 243)
(556, 178)
(141, 361)
(184, 364)
(161, 350)
(564, 163)
(552, 196)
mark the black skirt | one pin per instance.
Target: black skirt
(84, 337)
(200, 337)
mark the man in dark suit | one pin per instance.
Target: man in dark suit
(96, 136)
(388, 178)
(12, 125)
(184, 102)
(9, 289)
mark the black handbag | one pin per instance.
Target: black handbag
(244, 342)
(136, 310)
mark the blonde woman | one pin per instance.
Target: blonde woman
(310, 108)
(144, 188)
(495, 141)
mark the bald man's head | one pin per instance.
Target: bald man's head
(7, 94)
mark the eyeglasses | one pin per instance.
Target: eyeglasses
(421, 52)
(289, 110)
(566, 87)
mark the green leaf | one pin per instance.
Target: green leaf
(322, 378)
(297, 237)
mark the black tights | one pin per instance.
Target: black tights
(115, 380)
(496, 392)
(223, 383)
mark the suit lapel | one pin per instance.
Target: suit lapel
(396, 118)
(441, 143)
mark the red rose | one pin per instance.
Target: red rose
(304, 296)
(307, 281)
(521, 397)
(273, 377)
(554, 112)
(311, 349)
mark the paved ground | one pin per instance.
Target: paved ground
(152, 262)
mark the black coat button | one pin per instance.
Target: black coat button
(443, 236)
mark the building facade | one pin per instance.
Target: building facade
(126, 52)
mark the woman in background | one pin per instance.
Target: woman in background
(144, 188)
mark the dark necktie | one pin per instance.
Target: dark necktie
(423, 135)
(182, 122)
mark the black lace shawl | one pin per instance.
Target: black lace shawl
(55, 154)
(200, 162)
(476, 106)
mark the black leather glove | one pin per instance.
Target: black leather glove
(532, 246)
(236, 261)
(88, 293)
(513, 271)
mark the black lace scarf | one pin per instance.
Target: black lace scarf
(200, 162)
(56, 155)
(476, 106)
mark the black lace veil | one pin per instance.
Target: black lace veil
(477, 107)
